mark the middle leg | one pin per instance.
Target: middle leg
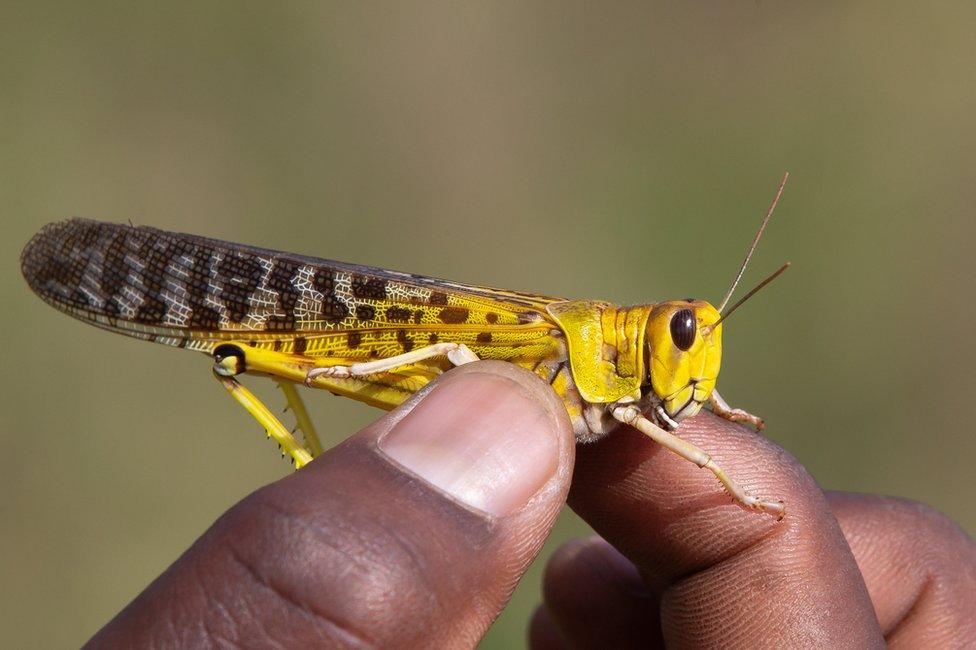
(304, 422)
(631, 415)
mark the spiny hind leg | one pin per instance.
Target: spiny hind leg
(297, 406)
(722, 409)
(456, 353)
(631, 415)
(275, 429)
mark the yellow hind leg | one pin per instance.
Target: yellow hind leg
(275, 429)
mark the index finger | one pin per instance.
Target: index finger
(726, 577)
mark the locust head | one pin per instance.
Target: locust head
(684, 353)
(684, 341)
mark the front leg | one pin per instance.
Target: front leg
(722, 409)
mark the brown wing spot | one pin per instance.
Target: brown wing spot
(397, 314)
(491, 317)
(276, 346)
(364, 286)
(438, 298)
(365, 312)
(453, 315)
(67, 263)
(239, 275)
(484, 337)
(280, 281)
(155, 254)
(151, 311)
(418, 316)
(405, 342)
(433, 338)
(353, 339)
(114, 272)
(301, 343)
(333, 309)
(202, 315)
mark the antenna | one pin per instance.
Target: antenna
(751, 293)
(752, 249)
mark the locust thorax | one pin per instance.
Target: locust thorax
(684, 353)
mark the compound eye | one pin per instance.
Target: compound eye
(683, 328)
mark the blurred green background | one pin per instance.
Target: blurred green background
(615, 151)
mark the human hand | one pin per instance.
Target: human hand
(356, 550)
(677, 566)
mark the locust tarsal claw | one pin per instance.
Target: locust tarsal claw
(775, 508)
(722, 409)
(738, 415)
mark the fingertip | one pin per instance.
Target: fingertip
(487, 434)
(531, 386)
(543, 633)
(915, 560)
(615, 609)
(588, 560)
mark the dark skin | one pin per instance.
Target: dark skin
(357, 550)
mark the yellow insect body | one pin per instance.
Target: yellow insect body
(379, 336)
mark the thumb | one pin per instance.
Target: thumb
(411, 533)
